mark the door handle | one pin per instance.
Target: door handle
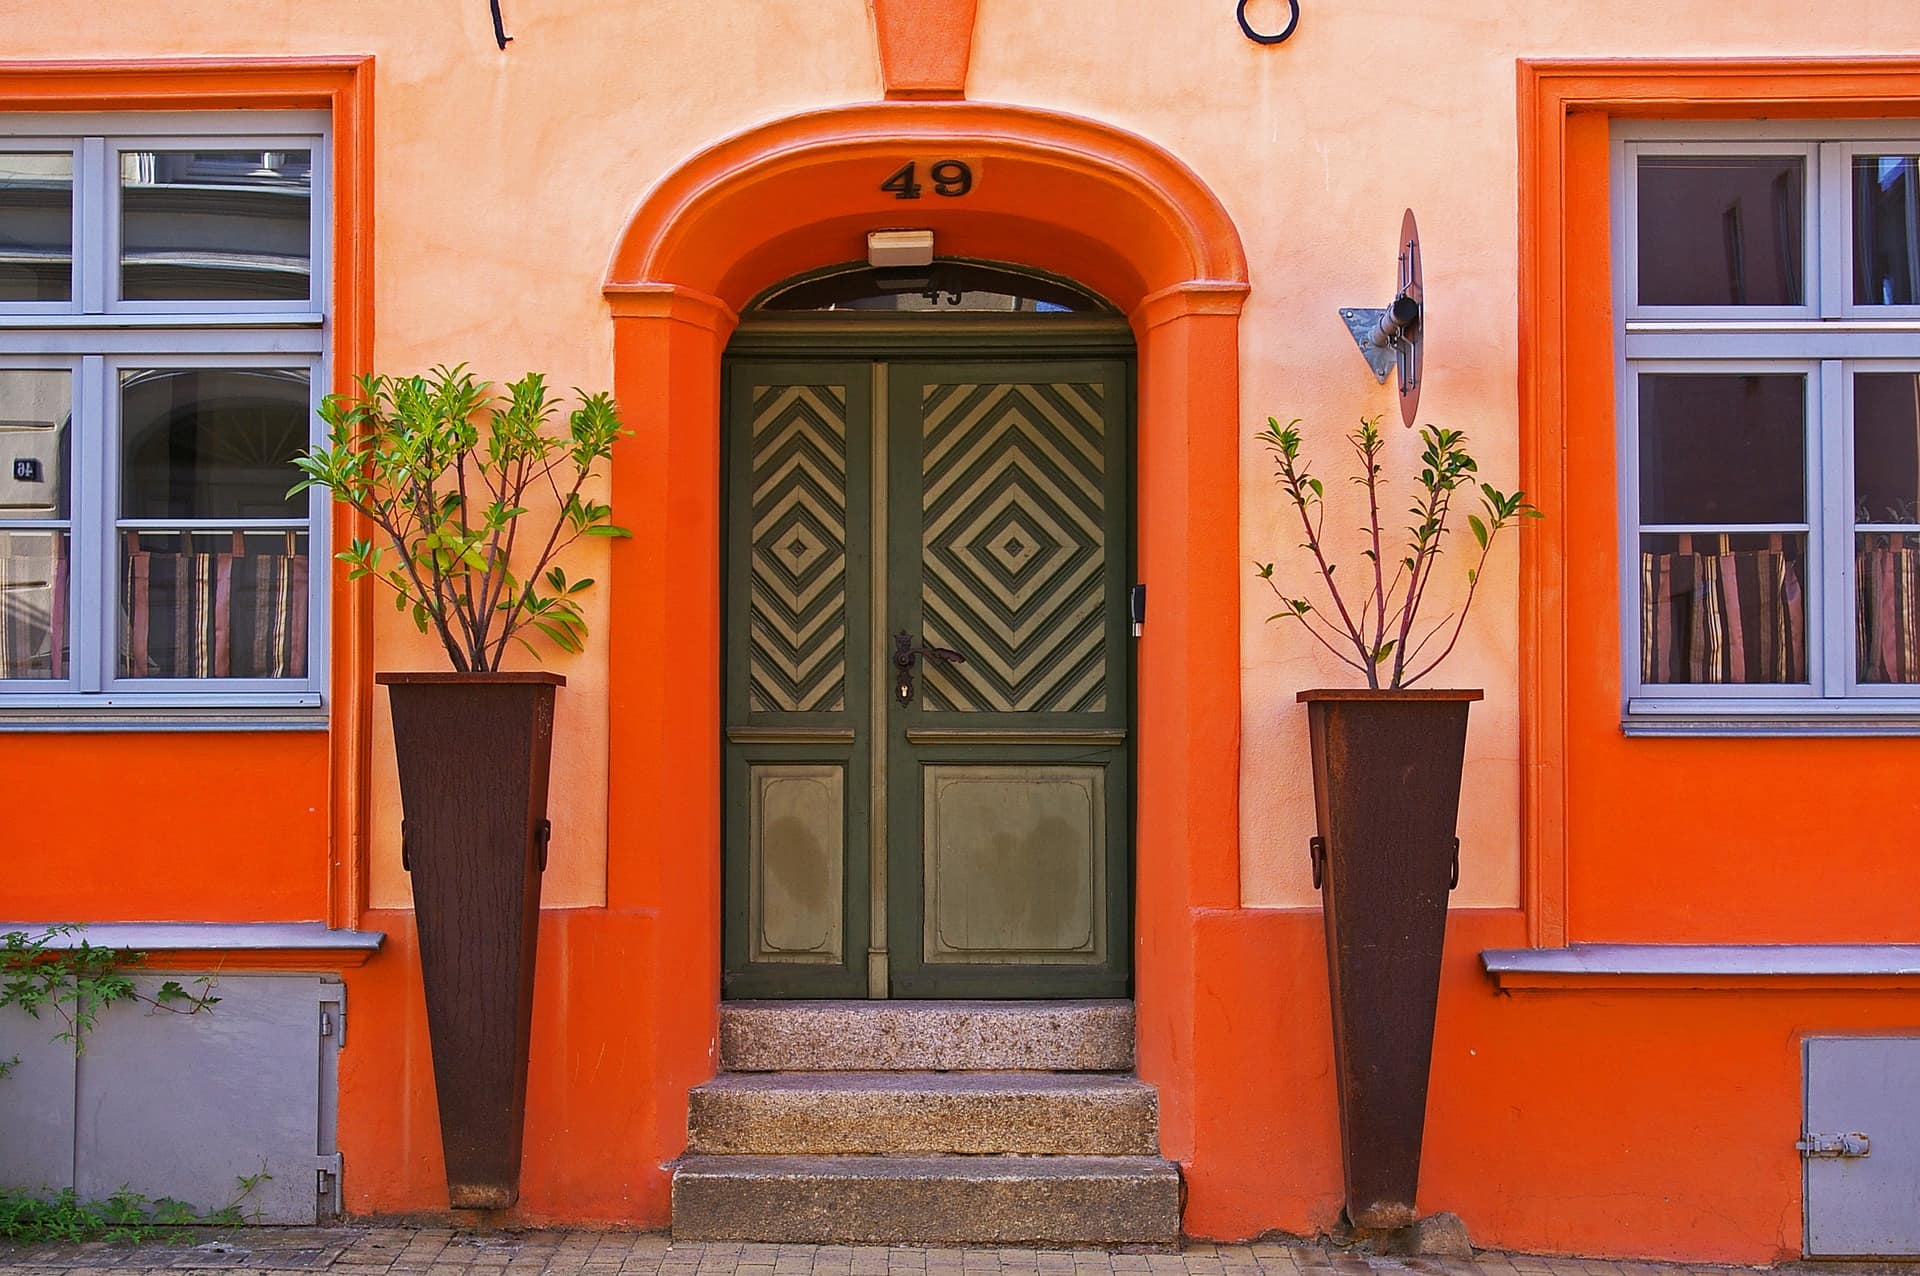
(904, 654)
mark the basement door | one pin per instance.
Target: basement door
(927, 677)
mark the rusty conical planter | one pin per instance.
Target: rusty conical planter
(1386, 787)
(473, 751)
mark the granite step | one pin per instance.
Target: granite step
(897, 1036)
(947, 1200)
(881, 1113)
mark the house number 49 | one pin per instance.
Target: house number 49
(950, 177)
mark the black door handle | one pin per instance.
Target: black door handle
(904, 653)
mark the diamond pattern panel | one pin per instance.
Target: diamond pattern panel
(1014, 548)
(797, 614)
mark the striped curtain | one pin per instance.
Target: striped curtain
(33, 608)
(216, 613)
(1887, 607)
(1721, 615)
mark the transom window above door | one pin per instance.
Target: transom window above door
(163, 304)
(948, 285)
(1767, 283)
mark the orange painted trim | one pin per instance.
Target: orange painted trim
(670, 301)
(1565, 284)
(668, 238)
(925, 46)
(1060, 193)
(1180, 300)
(216, 961)
(343, 87)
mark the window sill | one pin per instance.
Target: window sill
(1775, 967)
(102, 713)
(225, 945)
(1860, 716)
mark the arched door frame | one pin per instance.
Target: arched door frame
(1051, 191)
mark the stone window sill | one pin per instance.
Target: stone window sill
(223, 945)
(1775, 967)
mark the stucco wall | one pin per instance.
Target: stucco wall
(502, 180)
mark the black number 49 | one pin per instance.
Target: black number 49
(951, 178)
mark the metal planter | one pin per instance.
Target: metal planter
(473, 752)
(1386, 786)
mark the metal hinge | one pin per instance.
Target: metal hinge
(333, 1023)
(1835, 1145)
(326, 1185)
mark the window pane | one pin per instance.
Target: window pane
(1723, 608)
(215, 225)
(212, 442)
(213, 604)
(1720, 448)
(35, 410)
(1887, 606)
(36, 226)
(1722, 230)
(1886, 447)
(1886, 219)
(33, 604)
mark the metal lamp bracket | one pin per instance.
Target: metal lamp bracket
(1393, 336)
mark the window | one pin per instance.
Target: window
(948, 285)
(163, 298)
(1767, 283)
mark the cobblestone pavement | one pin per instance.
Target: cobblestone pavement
(391, 1251)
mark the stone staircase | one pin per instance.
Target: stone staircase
(982, 1122)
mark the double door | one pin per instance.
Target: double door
(927, 678)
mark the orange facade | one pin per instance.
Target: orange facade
(1625, 1115)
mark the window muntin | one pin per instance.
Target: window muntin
(1770, 453)
(178, 575)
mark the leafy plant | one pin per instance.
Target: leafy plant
(444, 469)
(75, 984)
(1381, 638)
(126, 1217)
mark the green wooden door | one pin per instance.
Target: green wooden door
(971, 840)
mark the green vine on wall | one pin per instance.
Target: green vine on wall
(70, 985)
(73, 984)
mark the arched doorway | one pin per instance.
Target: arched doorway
(1053, 193)
(926, 674)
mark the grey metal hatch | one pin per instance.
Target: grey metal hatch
(1860, 1141)
(184, 1106)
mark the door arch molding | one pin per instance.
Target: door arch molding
(1056, 192)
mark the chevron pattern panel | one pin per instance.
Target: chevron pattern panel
(1014, 547)
(797, 635)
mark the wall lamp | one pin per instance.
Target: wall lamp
(1394, 335)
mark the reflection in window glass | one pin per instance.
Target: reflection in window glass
(36, 408)
(1723, 608)
(1886, 224)
(212, 442)
(35, 416)
(216, 225)
(1720, 448)
(1886, 447)
(1722, 230)
(1886, 494)
(213, 604)
(949, 285)
(33, 603)
(36, 226)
